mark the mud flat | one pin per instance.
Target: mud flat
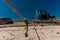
(43, 33)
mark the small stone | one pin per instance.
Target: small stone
(58, 33)
(3, 36)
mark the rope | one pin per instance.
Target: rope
(36, 31)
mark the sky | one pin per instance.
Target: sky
(28, 8)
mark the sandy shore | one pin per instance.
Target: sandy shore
(22, 24)
(43, 33)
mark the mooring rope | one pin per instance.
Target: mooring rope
(36, 31)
